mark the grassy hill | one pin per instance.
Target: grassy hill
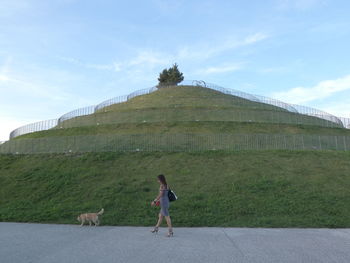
(203, 127)
(251, 189)
(186, 96)
(173, 114)
(266, 188)
(189, 104)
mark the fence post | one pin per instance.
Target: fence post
(336, 142)
(294, 148)
(319, 142)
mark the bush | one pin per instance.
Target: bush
(171, 76)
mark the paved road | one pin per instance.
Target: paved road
(70, 243)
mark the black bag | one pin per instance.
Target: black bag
(172, 196)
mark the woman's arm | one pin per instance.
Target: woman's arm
(161, 193)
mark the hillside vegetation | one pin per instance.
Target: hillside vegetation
(250, 189)
(202, 127)
(194, 110)
(218, 182)
(192, 104)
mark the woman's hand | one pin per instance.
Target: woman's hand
(153, 203)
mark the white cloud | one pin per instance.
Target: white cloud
(116, 67)
(143, 60)
(150, 58)
(340, 109)
(220, 69)
(193, 52)
(254, 38)
(322, 90)
(206, 51)
(140, 66)
(233, 43)
(111, 67)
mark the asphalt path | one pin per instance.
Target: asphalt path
(39, 243)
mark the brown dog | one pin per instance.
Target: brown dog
(91, 217)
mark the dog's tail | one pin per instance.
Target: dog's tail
(101, 212)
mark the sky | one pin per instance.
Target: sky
(59, 55)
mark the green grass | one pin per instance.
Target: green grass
(184, 103)
(187, 96)
(202, 127)
(242, 188)
(246, 189)
(195, 115)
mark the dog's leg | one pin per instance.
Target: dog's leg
(90, 222)
(82, 222)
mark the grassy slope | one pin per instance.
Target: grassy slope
(265, 188)
(179, 104)
(187, 96)
(189, 127)
(175, 110)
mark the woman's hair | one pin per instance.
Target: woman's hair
(162, 179)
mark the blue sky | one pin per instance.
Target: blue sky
(59, 55)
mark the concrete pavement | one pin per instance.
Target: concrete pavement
(41, 243)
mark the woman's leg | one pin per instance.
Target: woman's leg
(168, 221)
(160, 220)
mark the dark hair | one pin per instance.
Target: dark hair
(162, 179)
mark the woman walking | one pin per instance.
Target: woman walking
(164, 204)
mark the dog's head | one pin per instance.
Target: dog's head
(78, 218)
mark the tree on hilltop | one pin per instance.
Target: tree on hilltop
(171, 76)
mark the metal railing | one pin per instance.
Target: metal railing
(289, 107)
(330, 120)
(75, 113)
(183, 114)
(175, 143)
(33, 127)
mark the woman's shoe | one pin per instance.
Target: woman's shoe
(155, 230)
(170, 233)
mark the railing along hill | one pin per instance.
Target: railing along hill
(332, 121)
